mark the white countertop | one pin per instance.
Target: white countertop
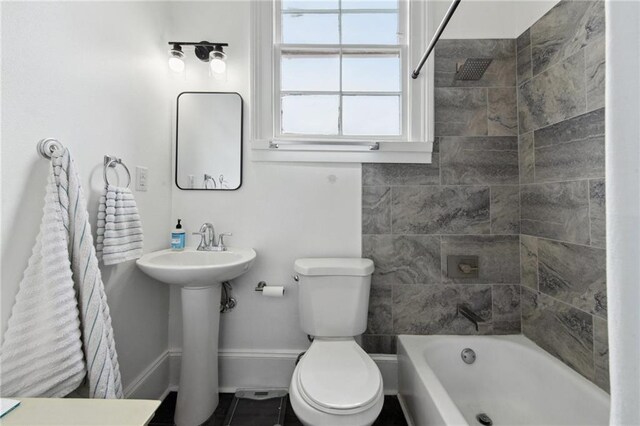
(76, 411)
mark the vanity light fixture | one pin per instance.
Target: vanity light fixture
(204, 50)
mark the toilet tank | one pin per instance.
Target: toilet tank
(333, 295)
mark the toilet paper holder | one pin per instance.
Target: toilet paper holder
(270, 290)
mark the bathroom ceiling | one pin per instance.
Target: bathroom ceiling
(491, 19)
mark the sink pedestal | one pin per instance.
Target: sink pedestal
(198, 392)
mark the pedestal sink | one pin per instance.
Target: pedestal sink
(199, 274)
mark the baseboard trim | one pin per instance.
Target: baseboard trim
(168, 391)
(153, 382)
(273, 368)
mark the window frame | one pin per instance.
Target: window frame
(401, 49)
(415, 146)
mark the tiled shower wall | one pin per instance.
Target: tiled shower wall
(562, 168)
(465, 202)
(518, 179)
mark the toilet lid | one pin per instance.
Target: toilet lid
(338, 375)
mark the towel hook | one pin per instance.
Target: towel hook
(112, 161)
(47, 146)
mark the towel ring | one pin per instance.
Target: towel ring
(111, 161)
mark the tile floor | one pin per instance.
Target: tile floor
(391, 414)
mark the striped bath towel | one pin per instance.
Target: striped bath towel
(41, 355)
(119, 227)
(103, 370)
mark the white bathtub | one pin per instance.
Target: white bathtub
(512, 380)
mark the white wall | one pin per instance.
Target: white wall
(490, 19)
(284, 211)
(92, 75)
(623, 207)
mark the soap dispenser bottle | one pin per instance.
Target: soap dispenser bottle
(178, 237)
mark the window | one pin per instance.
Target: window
(337, 72)
(341, 68)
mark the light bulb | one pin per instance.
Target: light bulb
(176, 64)
(218, 66)
(176, 59)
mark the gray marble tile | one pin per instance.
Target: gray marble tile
(479, 160)
(505, 209)
(379, 320)
(526, 158)
(460, 112)
(554, 95)
(432, 309)
(402, 174)
(563, 331)
(524, 69)
(601, 353)
(440, 210)
(573, 274)
(506, 309)
(524, 40)
(379, 344)
(376, 210)
(529, 261)
(595, 70)
(501, 72)
(498, 257)
(410, 259)
(502, 111)
(571, 149)
(558, 211)
(564, 30)
(580, 128)
(597, 210)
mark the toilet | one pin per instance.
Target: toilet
(335, 383)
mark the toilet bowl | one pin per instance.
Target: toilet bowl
(335, 383)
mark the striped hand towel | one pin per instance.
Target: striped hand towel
(119, 227)
(103, 370)
(41, 355)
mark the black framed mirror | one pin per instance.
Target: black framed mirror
(209, 141)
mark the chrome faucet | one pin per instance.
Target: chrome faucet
(465, 311)
(208, 238)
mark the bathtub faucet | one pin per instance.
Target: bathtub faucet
(465, 311)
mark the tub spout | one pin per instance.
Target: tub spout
(465, 311)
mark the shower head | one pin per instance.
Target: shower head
(472, 68)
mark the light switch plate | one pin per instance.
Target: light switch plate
(142, 175)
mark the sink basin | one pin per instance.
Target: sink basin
(192, 268)
(199, 275)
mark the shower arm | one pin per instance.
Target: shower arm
(436, 37)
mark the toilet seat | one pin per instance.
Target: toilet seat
(338, 377)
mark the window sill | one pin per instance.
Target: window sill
(386, 152)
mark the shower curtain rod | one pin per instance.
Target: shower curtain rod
(436, 37)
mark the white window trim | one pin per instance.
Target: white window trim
(416, 147)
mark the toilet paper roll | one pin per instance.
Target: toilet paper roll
(273, 291)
